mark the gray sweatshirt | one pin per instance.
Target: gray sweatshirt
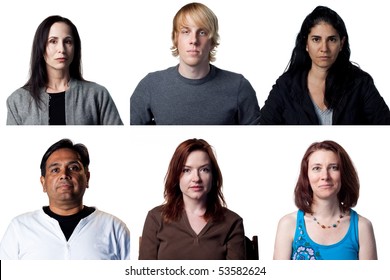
(86, 103)
(166, 97)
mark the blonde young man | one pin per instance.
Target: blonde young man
(194, 91)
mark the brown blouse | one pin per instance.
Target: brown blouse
(218, 240)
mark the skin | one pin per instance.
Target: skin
(323, 46)
(65, 182)
(325, 181)
(195, 183)
(58, 56)
(194, 47)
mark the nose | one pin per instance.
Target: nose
(325, 174)
(194, 39)
(324, 46)
(65, 174)
(196, 176)
(61, 47)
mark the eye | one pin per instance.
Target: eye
(74, 168)
(316, 168)
(69, 42)
(54, 170)
(205, 170)
(334, 167)
(186, 170)
(184, 31)
(203, 33)
(315, 39)
(52, 41)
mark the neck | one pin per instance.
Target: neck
(196, 207)
(66, 211)
(57, 81)
(194, 72)
(318, 73)
(326, 209)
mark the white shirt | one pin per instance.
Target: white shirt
(37, 236)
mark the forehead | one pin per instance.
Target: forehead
(60, 28)
(323, 28)
(188, 20)
(323, 156)
(197, 157)
(63, 155)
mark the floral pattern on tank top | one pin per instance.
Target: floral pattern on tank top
(303, 249)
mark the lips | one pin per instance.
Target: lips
(196, 188)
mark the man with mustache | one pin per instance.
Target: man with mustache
(66, 228)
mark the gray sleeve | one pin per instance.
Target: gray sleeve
(11, 113)
(140, 105)
(248, 106)
(109, 111)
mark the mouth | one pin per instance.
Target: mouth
(326, 186)
(196, 188)
(193, 52)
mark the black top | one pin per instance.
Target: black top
(359, 103)
(57, 108)
(69, 223)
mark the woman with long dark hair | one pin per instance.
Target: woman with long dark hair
(56, 92)
(321, 85)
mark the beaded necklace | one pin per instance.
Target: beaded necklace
(331, 226)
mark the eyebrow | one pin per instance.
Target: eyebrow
(54, 164)
(204, 165)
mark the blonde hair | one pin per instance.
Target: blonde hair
(203, 17)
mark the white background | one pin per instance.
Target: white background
(124, 40)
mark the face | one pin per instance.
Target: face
(196, 177)
(193, 44)
(59, 47)
(323, 45)
(66, 179)
(324, 174)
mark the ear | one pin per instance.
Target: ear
(342, 43)
(42, 179)
(88, 174)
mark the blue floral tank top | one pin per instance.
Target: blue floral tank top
(303, 248)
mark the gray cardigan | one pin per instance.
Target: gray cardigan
(86, 103)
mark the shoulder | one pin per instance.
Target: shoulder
(231, 215)
(227, 73)
(87, 85)
(27, 217)
(19, 94)
(101, 215)
(156, 211)
(288, 221)
(161, 73)
(364, 224)
(358, 75)
(289, 78)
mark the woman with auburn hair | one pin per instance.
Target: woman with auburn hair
(325, 227)
(56, 92)
(194, 222)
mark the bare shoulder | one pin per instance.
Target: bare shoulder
(288, 220)
(364, 223)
